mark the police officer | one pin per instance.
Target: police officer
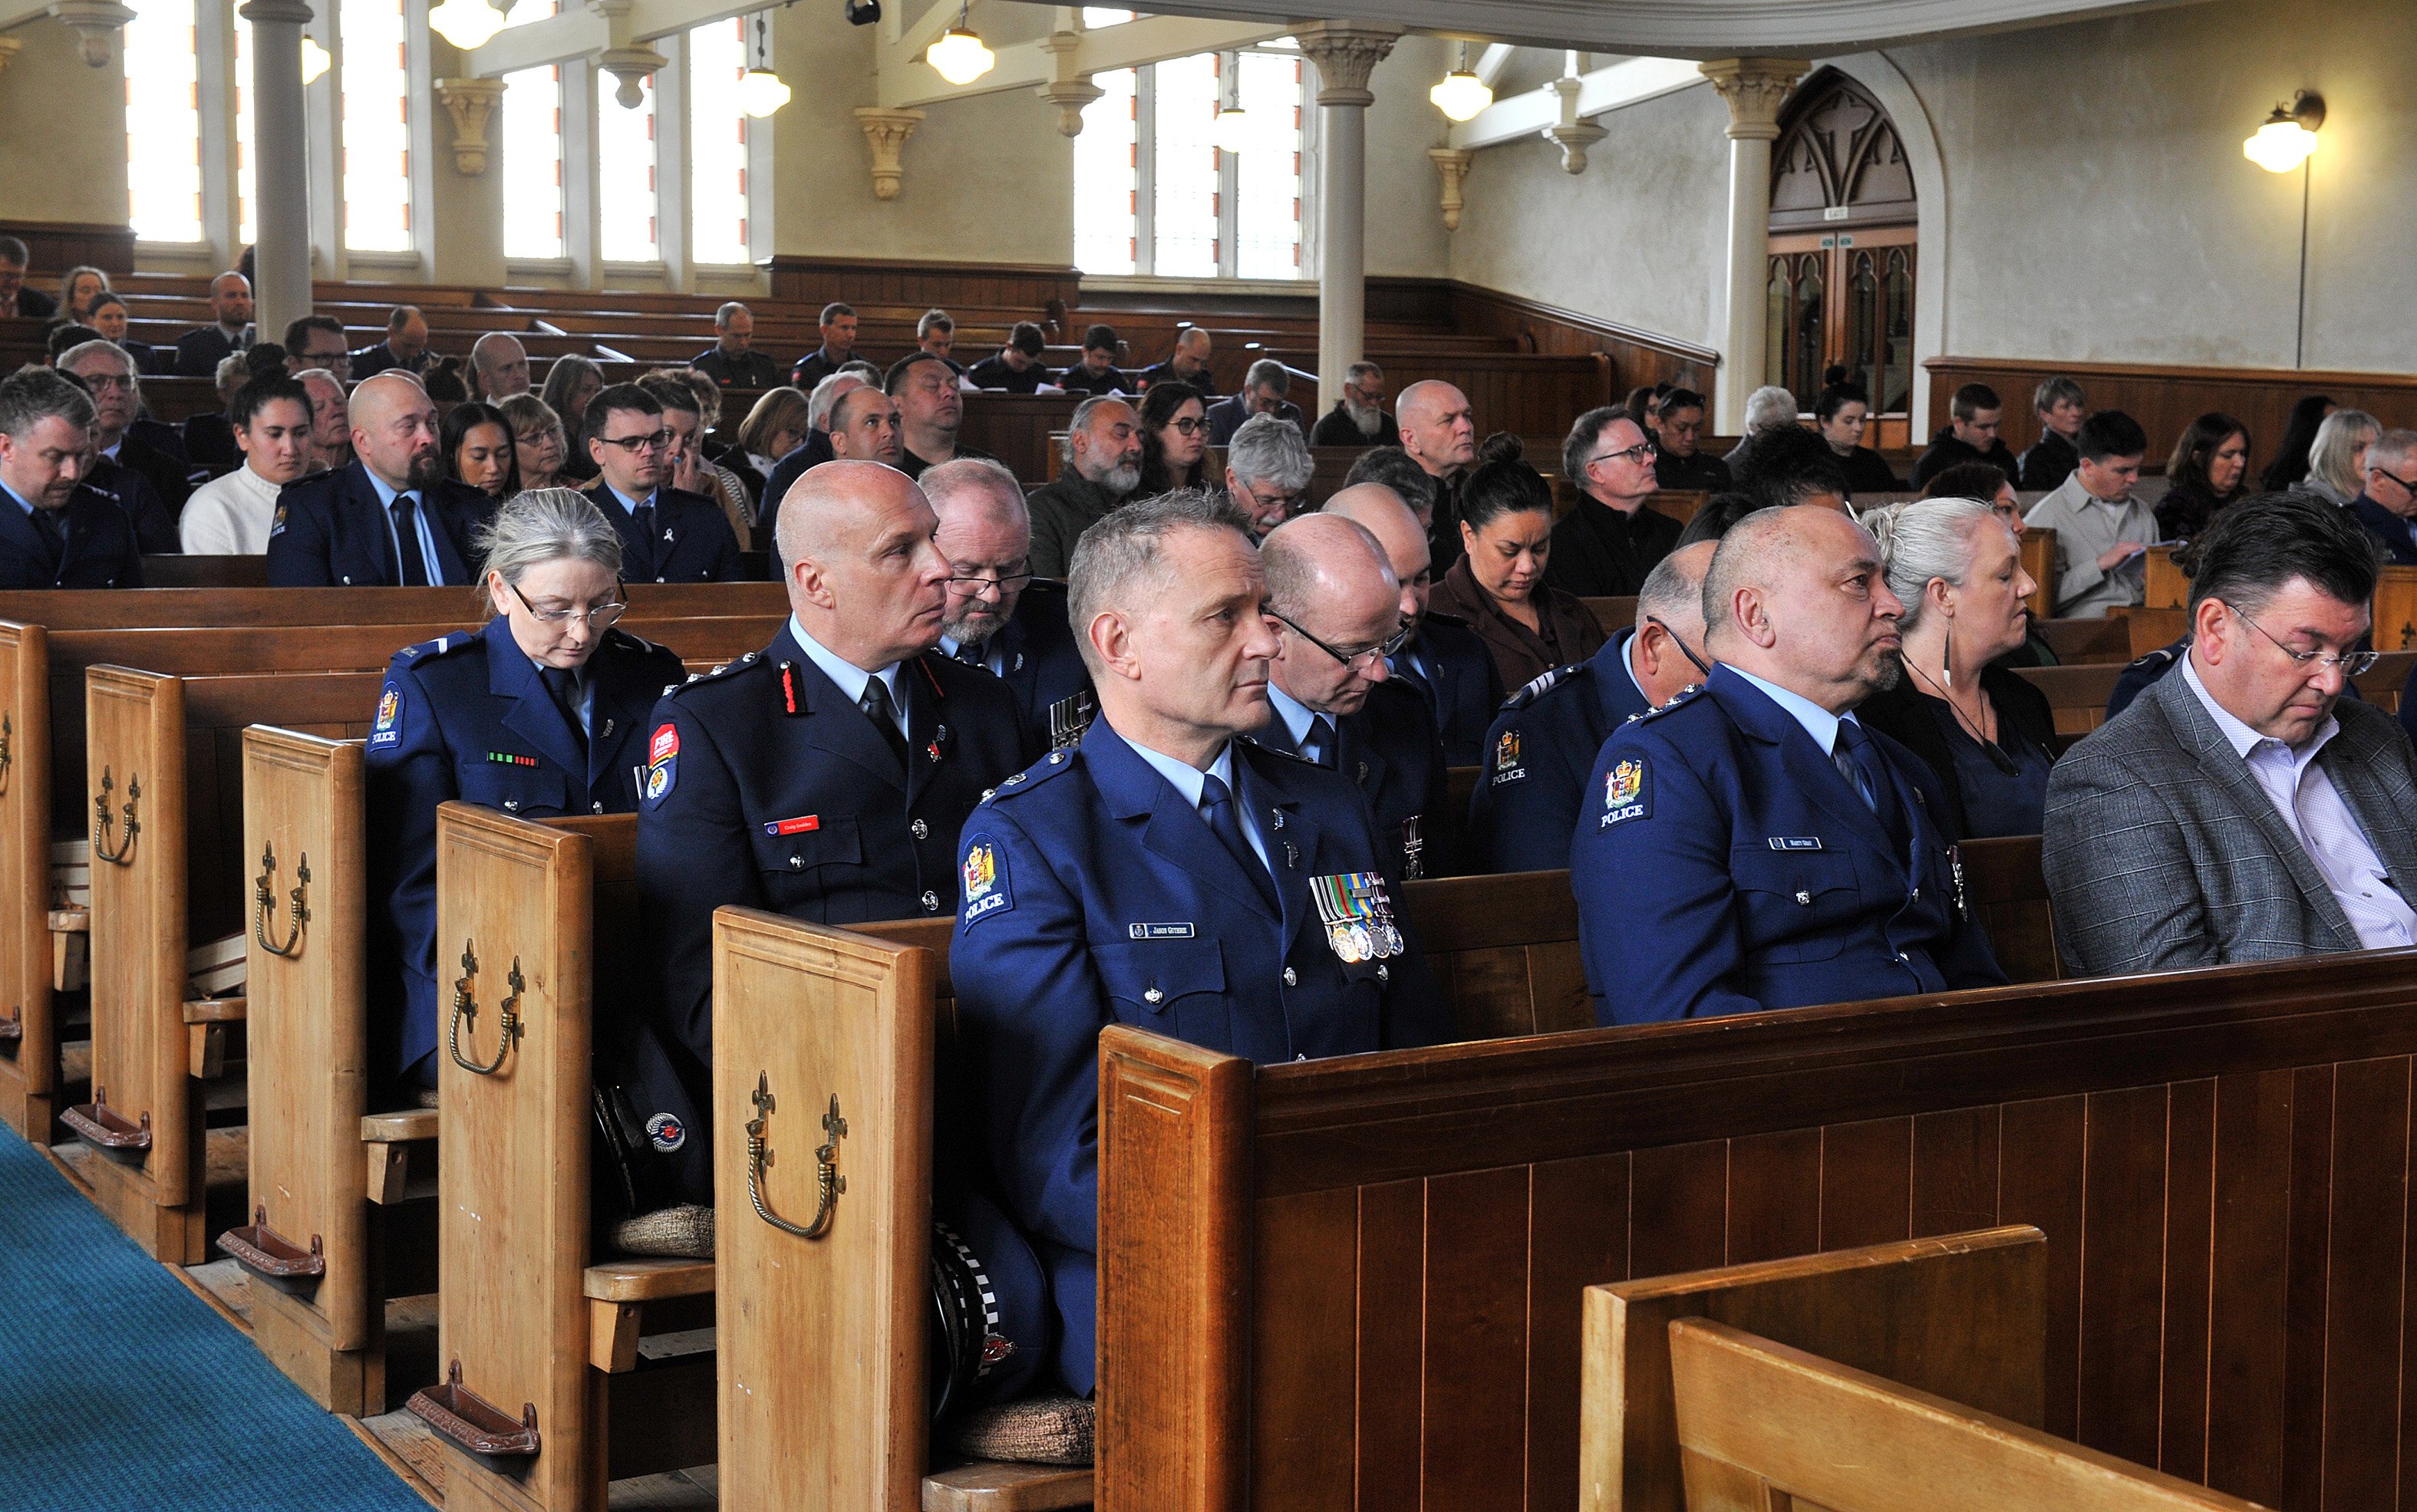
(540, 714)
(824, 776)
(1338, 611)
(1443, 661)
(1753, 846)
(56, 531)
(1544, 741)
(999, 615)
(391, 518)
(1167, 874)
(668, 535)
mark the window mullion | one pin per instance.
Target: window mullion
(1146, 170)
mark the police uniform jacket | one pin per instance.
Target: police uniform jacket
(101, 552)
(1537, 755)
(1081, 379)
(1094, 895)
(200, 352)
(155, 528)
(1450, 667)
(332, 532)
(693, 541)
(467, 717)
(1722, 864)
(750, 369)
(170, 476)
(766, 786)
(1205, 380)
(807, 454)
(1391, 753)
(1036, 656)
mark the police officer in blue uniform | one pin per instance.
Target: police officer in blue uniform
(541, 714)
(1753, 846)
(389, 518)
(1443, 661)
(999, 616)
(826, 776)
(1544, 741)
(1337, 607)
(668, 535)
(56, 530)
(1166, 874)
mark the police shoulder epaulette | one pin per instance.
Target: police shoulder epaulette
(629, 641)
(1262, 745)
(445, 645)
(1529, 690)
(1686, 696)
(2158, 658)
(737, 664)
(1035, 774)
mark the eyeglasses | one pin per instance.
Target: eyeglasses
(1680, 642)
(653, 440)
(2405, 483)
(1000, 583)
(1289, 503)
(1188, 426)
(1643, 451)
(2349, 664)
(1362, 661)
(104, 381)
(599, 617)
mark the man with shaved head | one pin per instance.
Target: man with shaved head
(1165, 873)
(1338, 613)
(1543, 744)
(199, 351)
(1000, 616)
(1440, 434)
(499, 367)
(1187, 364)
(389, 518)
(1754, 846)
(864, 427)
(1443, 661)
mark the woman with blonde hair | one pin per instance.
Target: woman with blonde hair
(2337, 458)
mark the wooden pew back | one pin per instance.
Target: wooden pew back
(1964, 1316)
(29, 1056)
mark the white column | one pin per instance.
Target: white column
(281, 253)
(1345, 54)
(1753, 88)
(674, 225)
(324, 104)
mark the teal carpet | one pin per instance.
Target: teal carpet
(120, 1391)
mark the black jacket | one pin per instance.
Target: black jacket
(1335, 428)
(199, 352)
(1902, 712)
(2046, 462)
(100, 553)
(1600, 552)
(1868, 471)
(154, 523)
(1061, 511)
(169, 476)
(691, 541)
(750, 369)
(1699, 473)
(333, 532)
(1078, 380)
(1946, 451)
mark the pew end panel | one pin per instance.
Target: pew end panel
(1964, 1315)
(29, 1039)
(1762, 1426)
(2007, 892)
(822, 1054)
(144, 1120)
(307, 1022)
(513, 1191)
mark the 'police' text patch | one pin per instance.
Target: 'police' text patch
(984, 874)
(1627, 793)
(388, 732)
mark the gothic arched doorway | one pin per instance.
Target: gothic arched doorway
(1843, 253)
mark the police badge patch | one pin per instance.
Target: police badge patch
(1507, 765)
(667, 1133)
(1357, 915)
(1626, 793)
(388, 732)
(662, 765)
(984, 879)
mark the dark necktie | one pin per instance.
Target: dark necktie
(1859, 761)
(563, 684)
(972, 653)
(1225, 823)
(1320, 747)
(406, 535)
(53, 529)
(884, 715)
(643, 516)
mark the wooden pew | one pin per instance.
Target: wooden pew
(540, 1338)
(2078, 694)
(1355, 1282)
(28, 1032)
(1964, 1315)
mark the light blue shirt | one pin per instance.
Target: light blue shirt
(1819, 722)
(628, 506)
(419, 517)
(850, 677)
(1189, 780)
(1297, 716)
(992, 656)
(20, 503)
(1628, 665)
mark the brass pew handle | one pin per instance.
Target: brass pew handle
(299, 911)
(507, 1027)
(829, 1182)
(124, 855)
(7, 747)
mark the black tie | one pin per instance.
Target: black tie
(1320, 747)
(971, 653)
(563, 684)
(644, 517)
(53, 529)
(1859, 760)
(1217, 807)
(406, 534)
(884, 715)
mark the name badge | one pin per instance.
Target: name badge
(1796, 843)
(794, 826)
(1158, 931)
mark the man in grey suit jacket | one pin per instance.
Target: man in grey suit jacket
(2241, 808)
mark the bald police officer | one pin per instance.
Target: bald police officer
(1543, 743)
(1753, 846)
(826, 776)
(1163, 873)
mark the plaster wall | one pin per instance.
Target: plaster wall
(77, 116)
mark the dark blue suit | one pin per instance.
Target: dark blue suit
(1722, 864)
(466, 716)
(1390, 752)
(2389, 531)
(1450, 666)
(1095, 895)
(807, 454)
(199, 352)
(691, 540)
(1537, 755)
(332, 532)
(1037, 657)
(155, 528)
(101, 552)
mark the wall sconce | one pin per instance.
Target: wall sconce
(2288, 136)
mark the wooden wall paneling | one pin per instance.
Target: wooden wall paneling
(2165, 397)
(2248, 1271)
(29, 1063)
(816, 281)
(1866, 1182)
(1302, 1330)
(1476, 1351)
(2039, 1183)
(2122, 1271)
(53, 246)
(1577, 1238)
(1679, 1208)
(1774, 1196)
(1956, 1177)
(173, 608)
(2189, 1266)
(2365, 1301)
(1388, 1387)
(2308, 1270)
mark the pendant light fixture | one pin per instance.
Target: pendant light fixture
(960, 56)
(1232, 131)
(314, 60)
(761, 92)
(465, 24)
(1462, 94)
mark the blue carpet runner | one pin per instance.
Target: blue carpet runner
(120, 1391)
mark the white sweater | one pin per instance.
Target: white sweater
(230, 516)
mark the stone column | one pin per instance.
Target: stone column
(1753, 89)
(280, 179)
(1345, 53)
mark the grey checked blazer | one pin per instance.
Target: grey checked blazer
(2161, 851)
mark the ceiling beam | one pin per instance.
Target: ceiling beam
(1525, 115)
(907, 82)
(585, 29)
